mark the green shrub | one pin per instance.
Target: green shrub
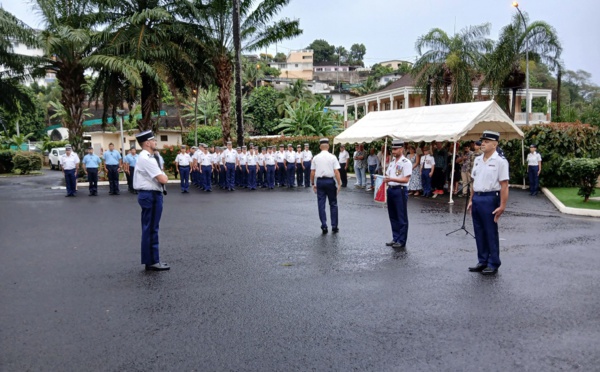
(169, 153)
(585, 173)
(27, 161)
(556, 143)
(6, 161)
(206, 134)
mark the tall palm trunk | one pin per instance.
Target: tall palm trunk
(224, 79)
(558, 87)
(149, 104)
(239, 115)
(71, 79)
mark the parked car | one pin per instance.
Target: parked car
(54, 157)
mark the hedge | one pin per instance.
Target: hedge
(206, 134)
(585, 173)
(556, 142)
(27, 161)
(6, 161)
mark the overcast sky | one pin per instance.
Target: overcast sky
(389, 28)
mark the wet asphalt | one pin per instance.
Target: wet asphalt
(255, 286)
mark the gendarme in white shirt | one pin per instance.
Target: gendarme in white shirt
(324, 165)
(146, 170)
(69, 162)
(399, 168)
(534, 159)
(183, 159)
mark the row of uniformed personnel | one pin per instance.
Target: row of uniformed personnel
(243, 167)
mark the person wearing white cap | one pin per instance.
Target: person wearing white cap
(149, 180)
(69, 163)
(397, 178)
(182, 163)
(488, 202)
(306, 160)
(324, 170)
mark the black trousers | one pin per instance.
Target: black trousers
(343, 174)
(113, 178)
(438, 179)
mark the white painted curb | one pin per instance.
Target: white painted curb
(568, 210)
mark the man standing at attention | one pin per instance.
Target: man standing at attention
(306, 160)
(290, 165)
(397, 178)
(270, 163)
(488, 202)
(343, 157)
(129, 164)
(91, 163)
(323, 169)
(182, 164)
(230, 160)
(440, 156)
(534, 168)
(148, 180)
(69, 162)
(112, 166)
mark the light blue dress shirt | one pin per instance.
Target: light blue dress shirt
(131, 159)
(112, 157)
(92, 161)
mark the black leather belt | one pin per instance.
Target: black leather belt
(327, 178)
(397, 187)
(487, 193)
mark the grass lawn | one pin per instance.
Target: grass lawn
(568, 196)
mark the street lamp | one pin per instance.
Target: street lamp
(121, 113)
(528, 103)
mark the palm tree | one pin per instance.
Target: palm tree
(207, 109)
(144, 44)
(505, 66)
(451, 61)
(291, 95)
(371, 85)
(256, 32)
(19, 140)
(308, 119)
(16, 68)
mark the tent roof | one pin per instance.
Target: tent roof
(452, 122)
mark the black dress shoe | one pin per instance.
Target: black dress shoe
(91, 194)
(389, 244)
(324, 229)
(117, 193)
(399, 245)
(158, 267)
(477, 268)
(489, 271)
(335, 230)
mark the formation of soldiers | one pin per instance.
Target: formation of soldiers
(244, 167)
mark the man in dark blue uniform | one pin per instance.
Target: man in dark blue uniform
(149, 179)
(325, 170)
(397, 177)
(488, 202)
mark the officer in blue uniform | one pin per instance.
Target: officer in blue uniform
(129, 164)
(324, 173)
(534, 168)
(397, 177)
(488, 202)
(112, 166)
(91, 163)
(149, 180)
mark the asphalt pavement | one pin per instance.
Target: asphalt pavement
(255, 286)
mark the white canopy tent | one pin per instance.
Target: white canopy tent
(453, 122)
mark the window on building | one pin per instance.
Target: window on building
(306, 57)
(296, 65)
(319, 69)
(282, 65)
(131, 143)
(164, 138)
(387, 106)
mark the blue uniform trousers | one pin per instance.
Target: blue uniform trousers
(184, 174)
(262, 176)
(196, 178)
(532, 172)
(426, 181)
(486, 230)
(281, 174)
(299, 175)
(271, 176)
(372, 174)
(207, 177)
(397, 199)
(243, 176)
(291, 170)
(326, 189)
(307, 165)
(70, 181)
(130, 178)
(230, 175)
(222, 176)
(152, 206)
(113, 178)
(252, 177)
(92, 175)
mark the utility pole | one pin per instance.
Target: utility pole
(237, 45)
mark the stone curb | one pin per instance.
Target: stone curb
(569, 210)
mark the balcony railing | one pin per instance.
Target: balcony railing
(534, 118)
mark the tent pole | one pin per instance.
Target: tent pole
(523, 158)
(384, 169)
(452, 175)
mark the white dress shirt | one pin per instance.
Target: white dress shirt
(183, 159)
(399, 168)
(324, 165)
(534, 159)
(69, 162)
(307, 155)
(343, 156)
(487, 175)
(230, 155)
(146, 170)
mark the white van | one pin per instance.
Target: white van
(54, 157)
